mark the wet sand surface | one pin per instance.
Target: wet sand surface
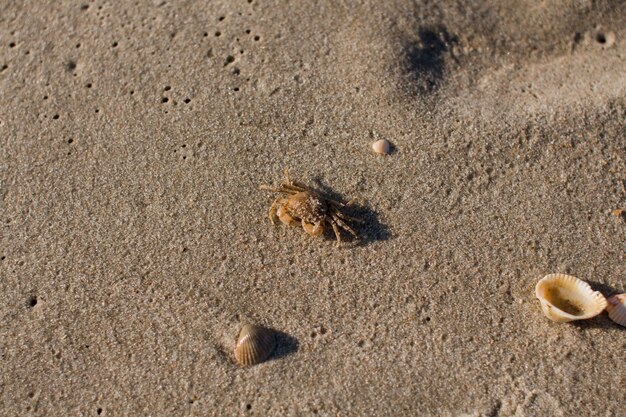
(135, 242)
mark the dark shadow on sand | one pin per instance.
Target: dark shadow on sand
(605, 289)
(285, 345)
(601, 321)
(425, 59)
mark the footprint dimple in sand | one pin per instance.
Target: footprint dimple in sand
(539, 404)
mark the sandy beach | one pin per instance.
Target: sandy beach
(135, 241)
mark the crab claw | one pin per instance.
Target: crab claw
(286, 217)
(313, 229)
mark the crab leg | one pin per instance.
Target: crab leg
(338, 204)
(276, 190)
(342, 224)
(272, 212)
(336, 230)
(293, 187)
(344, 216)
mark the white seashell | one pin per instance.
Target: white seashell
(382, 147)
(616, 307)
(566, 298)
(254, 344)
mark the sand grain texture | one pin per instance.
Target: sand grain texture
(134, 241)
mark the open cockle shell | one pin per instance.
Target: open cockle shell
(254, 344)
(566, 298)
(616, 307)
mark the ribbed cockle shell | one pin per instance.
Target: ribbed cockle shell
(616, 307)
(254, 344)
(566, 298)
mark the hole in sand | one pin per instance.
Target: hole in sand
(32, 301)
(600, 38)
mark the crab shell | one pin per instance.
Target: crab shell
(305, 207)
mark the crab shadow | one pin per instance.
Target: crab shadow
(368, 229)
(601, 321)
(285, 345)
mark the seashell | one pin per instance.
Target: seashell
(381, 146)
(254, 344)
(566, 298)
(616, 307)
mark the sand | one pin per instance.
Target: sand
(135, 243)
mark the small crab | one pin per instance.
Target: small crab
(308, 208)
